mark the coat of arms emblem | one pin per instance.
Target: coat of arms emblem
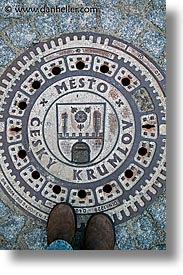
(80, 131)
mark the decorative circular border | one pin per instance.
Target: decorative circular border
(120, 203)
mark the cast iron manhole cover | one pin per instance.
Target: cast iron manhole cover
(83, 121)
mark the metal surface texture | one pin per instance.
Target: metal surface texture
(83, 121)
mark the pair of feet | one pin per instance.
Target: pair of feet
(62, 224)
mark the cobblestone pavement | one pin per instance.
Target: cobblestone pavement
(140, 22)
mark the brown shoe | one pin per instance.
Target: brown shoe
(61, 223)
(99, 234)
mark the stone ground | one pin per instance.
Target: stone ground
(140, 22)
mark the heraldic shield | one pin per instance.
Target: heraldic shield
(80, 131)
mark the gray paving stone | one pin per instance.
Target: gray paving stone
(33, 4)
(87, 20)
(123, 239)
(4, 23)
(158, 212)
(80, 2)
(7, 54)
(4, 210)
(137, 6)
(36, 239)
(7, 246)
(144, 232)
(111, 3)
(138, 3)
(159, 3)
(21, 35)
(159, 247)
(68, 22)
(58, 2)
(11, 228)
(153, 42)
(110, 19)
(46, 25)
(132, 27)
(157, 17)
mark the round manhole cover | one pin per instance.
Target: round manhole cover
(83, 121)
